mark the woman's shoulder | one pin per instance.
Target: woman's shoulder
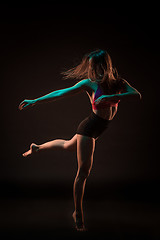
(89, 85)
(121, 84)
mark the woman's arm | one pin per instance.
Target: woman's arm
(58, 94)
(129, 92)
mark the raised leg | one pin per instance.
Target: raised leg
(56, 144)
(85, 151)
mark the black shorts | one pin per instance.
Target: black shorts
(92, 126)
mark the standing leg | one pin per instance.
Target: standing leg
(85, 151)
(69, 145)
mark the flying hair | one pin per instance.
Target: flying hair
(96, 66)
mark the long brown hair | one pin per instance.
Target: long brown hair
(97, 66)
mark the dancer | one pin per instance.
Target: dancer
(97, 77)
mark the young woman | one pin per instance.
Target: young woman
(105, 89)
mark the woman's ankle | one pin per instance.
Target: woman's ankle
(79, 215)
(35, 147)
(79, 221)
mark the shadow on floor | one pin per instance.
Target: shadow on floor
(34, 212)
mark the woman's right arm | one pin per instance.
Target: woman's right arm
(58, 94)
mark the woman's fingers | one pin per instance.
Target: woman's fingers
(23, 104)
(98, 101)
(26, 103)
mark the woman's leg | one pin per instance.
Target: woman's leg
(85, 151)
(69, 145)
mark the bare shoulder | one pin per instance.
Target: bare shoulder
(122, 84)
(86, 84)
(90, 84)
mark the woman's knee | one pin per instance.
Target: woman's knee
(83, 173)
(71, 144)
(67, 145)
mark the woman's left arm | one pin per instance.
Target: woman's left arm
(128, 92)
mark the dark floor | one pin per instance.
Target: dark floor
(30, 212)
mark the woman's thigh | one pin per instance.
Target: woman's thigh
(85, 151)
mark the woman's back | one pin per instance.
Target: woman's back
(106, 109)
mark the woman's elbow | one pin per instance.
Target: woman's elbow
(137, 95)
(133, 95)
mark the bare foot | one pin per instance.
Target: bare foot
(33, 148)
(79, 223)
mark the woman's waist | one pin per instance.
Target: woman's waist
(105, 104)
(105, 115)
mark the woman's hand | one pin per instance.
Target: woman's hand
(100, 99)
(106, 98)
(26, 103)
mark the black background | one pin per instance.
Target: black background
(38, 41)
